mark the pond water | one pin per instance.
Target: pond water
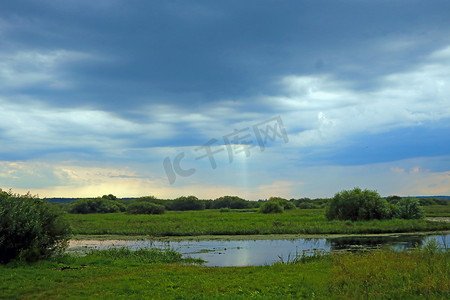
(225, 253)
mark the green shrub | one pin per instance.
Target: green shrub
(145, 208)
(393, 208)
(409, 208)
(287, 205)
(188, 203)
(30, 229)
(96, 206)
(233, 202)
(109, 197)
(306, 205)
(168, 204)
(271, 207)
(358, 205)
(393, 199)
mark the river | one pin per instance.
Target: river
(255, 252)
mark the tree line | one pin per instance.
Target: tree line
(372, 205)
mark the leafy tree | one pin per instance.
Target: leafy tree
(287, 205)
(145, 208)
(409, 208)
(30, 228)
(358, 204)
(96, 206)
(188, 203)
(271, 207)
(393, 199)
(307, 205)
(232, 202)
(109, 197)
(168, 204)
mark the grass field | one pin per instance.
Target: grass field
(151, 274)
(437, 210)
(214, 222)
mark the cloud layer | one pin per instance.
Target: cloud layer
(94, 96)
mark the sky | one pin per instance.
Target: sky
(212, 98)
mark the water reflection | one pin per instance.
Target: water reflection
(396, 242)
(225, 253)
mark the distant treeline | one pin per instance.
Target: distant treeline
(61, 200)
(423, 201)
(152, 205)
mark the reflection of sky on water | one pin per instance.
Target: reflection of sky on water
(225, 253)
(253, 252)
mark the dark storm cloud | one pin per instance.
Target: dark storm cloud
(190, 53)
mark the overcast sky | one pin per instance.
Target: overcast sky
(291, 98)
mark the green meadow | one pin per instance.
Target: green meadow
(242, 222)
(437, 211)
(152, 274)
(165, 274)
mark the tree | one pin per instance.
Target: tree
(271, 207)
(30, 228)
(109, 197)
(233, 202)
(145, 208)
(393, 199)
(188, 203)
(96, 206)
(287, 205)
(358, 204)
(409, 208)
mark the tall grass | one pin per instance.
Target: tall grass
(213, 222)
(423, 273)
(437, 210)
(141, 255)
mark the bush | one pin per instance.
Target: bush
(306, 205)
(96, 206)
(283, 202)
(233, 202)
(168, 204)
(30, 229)
(188, 203)
(109, 197)
(409, 208)
(358, 205)
(393, 199)
(271, 207)
(145, 208)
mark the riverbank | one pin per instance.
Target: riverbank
(105, 237)
(121, 274)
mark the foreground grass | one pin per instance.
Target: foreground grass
(158, 275)
(421, 274)
(214, 222)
